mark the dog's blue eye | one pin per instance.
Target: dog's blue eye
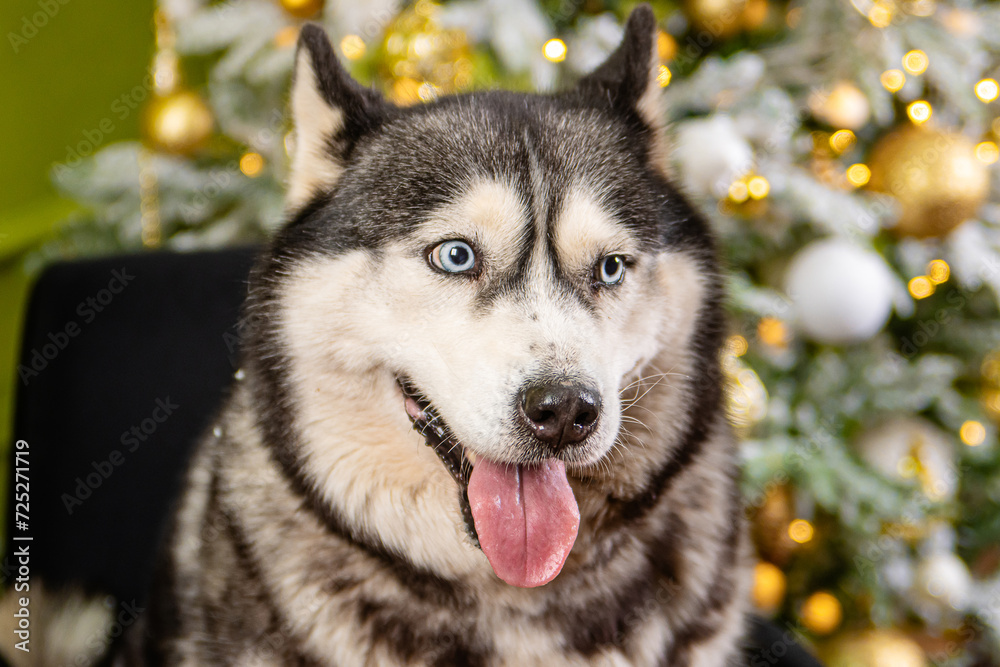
(610, 270)
(453, 257)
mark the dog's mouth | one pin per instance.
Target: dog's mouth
(524, 517)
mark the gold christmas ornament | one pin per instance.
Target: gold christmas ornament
(843, 106)
(302, 9)
(725, 18)
(935, 176)
(769, 587)
(180, 122)
(769, 527)
(422, 60)
(821, 613)
(874, 648)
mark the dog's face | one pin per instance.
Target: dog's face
(509, 267)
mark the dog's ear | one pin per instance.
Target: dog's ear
(330, 111)
(628, 80)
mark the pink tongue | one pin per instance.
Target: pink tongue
(526, 518)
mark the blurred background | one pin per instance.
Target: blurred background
(845, 152)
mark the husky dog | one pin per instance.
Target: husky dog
(479, 417)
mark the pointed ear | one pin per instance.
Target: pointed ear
(330, 112)
(628, 80)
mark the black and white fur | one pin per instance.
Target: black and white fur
(318, 528)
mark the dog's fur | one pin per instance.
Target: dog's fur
(317, 526)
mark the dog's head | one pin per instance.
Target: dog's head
(508, 272)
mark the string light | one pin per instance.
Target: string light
(938, 271)
(987, 90)
(858, 174)
(251, 164)
(758, 187)
(773, 332)
(352, 46)
(915, 62)
(737, 345)
(892, 80)
(972, 433)
(987, 152)
(286, 37)
(920, 287)
(801, 531)
(880, 14)
(663, 76)
(919, 111)
(666, 46)
(842, 140)
(739, 192)
(554, 50)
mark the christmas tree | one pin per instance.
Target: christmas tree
(843, 152)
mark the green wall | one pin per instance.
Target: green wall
(63, 63)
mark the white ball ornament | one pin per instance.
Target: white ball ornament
(943, 581)
(911, 450)
(841, 293)
(712, 154)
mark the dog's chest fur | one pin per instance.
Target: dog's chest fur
(261, 580)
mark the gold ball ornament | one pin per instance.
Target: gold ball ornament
(178, 123)
(725, 18)
(769, 587)
(302, 9)
(874, 648)
(843, 106)
(769, 525)
(421, 59)
(935, 176)
(821, 613)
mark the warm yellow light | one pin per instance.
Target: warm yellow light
(555, 50)
(822, 613)
(919, 111)
(972, 433)
(800, 531)
(915, 62)
(427, 92)
(858, 174)
(666, 46)
(352, 46)
(880, 14)
(663, 76)
(987, 90)
(842, 140)
(987, 152)
(768, 587)
(892, 79)
(286, 37)
(739, 191)
(772, 331)
(938, 271)
(758, 187)
(921, 287)
(737, 345)
(251, 164)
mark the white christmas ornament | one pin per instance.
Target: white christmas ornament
(841, 293)
(943, 581)
(911, 450)
(712, 154)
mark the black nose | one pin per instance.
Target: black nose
(560, 414)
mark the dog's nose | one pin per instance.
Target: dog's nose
(560, 414)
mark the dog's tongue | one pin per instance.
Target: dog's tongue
(526, 518)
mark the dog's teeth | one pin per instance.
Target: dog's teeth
(413, 409)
